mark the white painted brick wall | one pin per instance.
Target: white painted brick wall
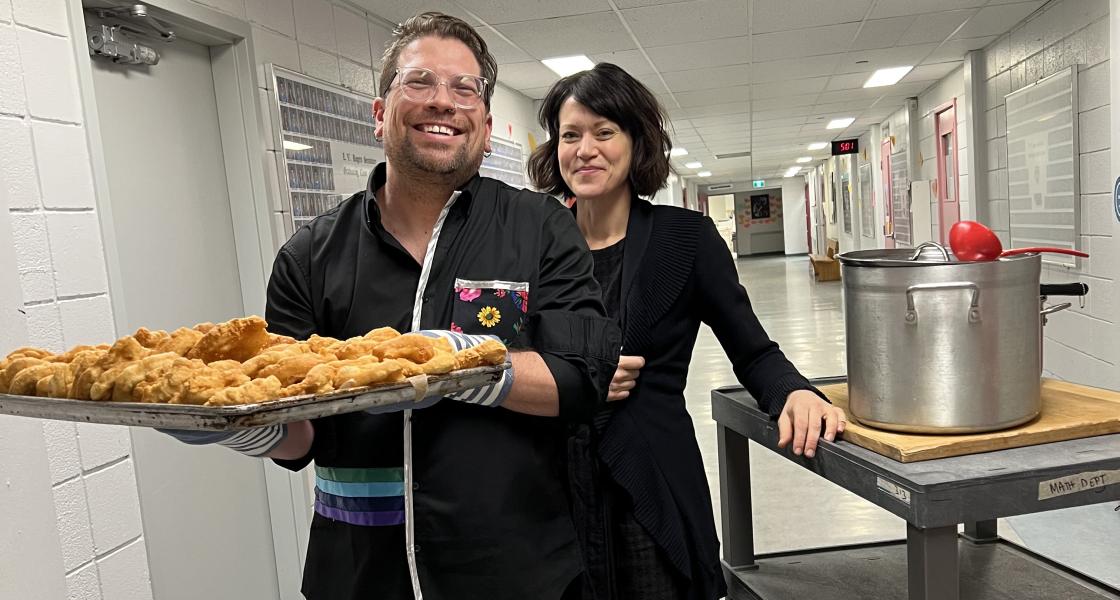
(114, 516)
(87, 320)
(102, 444)
(124, 573)
(65, 177)
(49, 76)
(78, 257)
(12, 98)
(73, 523)
(44, 16)
(17, 163)
(277, 15)
(315, 24)
(84, 584)
(319, 64)
(5, 12)
(44, 327)
(61, 439)
(353, 36)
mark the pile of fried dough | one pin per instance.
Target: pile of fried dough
(236, 362)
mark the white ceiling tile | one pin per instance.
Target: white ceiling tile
(735, 119)
(785, 101)
(503, 51)
(956, 49)
(564, 36)
(708, 78)
(795, 68)
(804, 42)
(867, 94)
(400, 10)
(882, 33)
(693, 21)
(780, 15)
(995, 20)
(640, 3)
(739, 93)
(883, 58)
(794, 87)
(708, 53)
(848, 81)
(536, 93)
(496, 12)
(893, 8)
(931, 72)
(706, 111)
(633, 61)
(526, 75)
(936, 27)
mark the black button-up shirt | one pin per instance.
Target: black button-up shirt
(491, 515)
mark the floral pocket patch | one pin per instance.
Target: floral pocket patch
(490, 307)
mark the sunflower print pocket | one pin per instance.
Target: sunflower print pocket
(490, 307)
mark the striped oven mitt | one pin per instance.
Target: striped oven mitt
(256, 442)
(490, 395)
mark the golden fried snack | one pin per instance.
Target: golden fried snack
(128, 378)
(204, 327)
(13, 367)
(319, 380)
(318, 343)
(165, 384)
(415, 347)
(355, 347)
(179, 341)
(58, 384)
(294, 368)
(151, 339)
(257, 390)
(102, 389)
(273, 355)
(69, 355)
(124, 351)
(83, 362)
(367, 371)
(25, 382)
(440, 364)
(27, 352)
(493, 352)
(279, 340)
(205, 382)
(237, 339)
(382, 334)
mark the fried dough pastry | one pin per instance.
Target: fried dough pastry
(415, 347)
(25, 382)
(204, 327)
(124, 351)
(293, 368)
(134, 373)
(355, 347)
(319, 380)
(150, 339)
(27, 352)
(439, 364)
(365, 371)
(273, 355)
(205, 382)
(257, 390)
(14, 366)
(279, 340)
(237, 339)
(179, 341)
(382, 334)
(318, 343)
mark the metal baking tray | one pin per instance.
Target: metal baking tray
(229, 418)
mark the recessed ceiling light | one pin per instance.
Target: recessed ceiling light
(818, 145)
(805, 159)
(693, 165)
(840, 123)
(889, 76)
(295, 146)
(569, 65)
(678, 152)
(704, 174)
(790, 172)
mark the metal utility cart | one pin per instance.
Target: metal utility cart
(933, 497)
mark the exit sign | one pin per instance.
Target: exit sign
(845, 147)
(758, 183)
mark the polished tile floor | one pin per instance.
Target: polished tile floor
(795, 509)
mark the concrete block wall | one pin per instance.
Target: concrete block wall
(944, 91)
(76, 480)
(1079, 343)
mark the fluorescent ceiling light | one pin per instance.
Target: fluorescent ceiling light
(790, 172)
(693, 165)
(569, 65)
(818, 145)
(840, 123)
(805, 159)
(678, 152)
(704, 174)
(295, 146)
(886, 76)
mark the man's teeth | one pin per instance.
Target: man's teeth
(440, 129)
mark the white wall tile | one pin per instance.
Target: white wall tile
(29, 232)
(1094, 131)
(357, 77)
(79, 261)
(315, 24)
(12, 97)
(997, 153)
(87, 321)
(269, 47)
(5, 12)
(353, 36)
(990, 116)
(37, 286)
(62, 155)
(17, 163)
(45, 15)
(1095, 177)
(43, 327)
(114, 508)
(1102, 255)
(997, 88)
(999, 215)
(61, 438)
(102, 444)
(1093, 87)
(230, 7)
(125, 575)
(73, 523)
(84, 584)
(1096, 214)
(1063, 18)
(317, 63)
(997, 184)
(50, 76)
(276, 15)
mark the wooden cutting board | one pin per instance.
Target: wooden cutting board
(1069, 411)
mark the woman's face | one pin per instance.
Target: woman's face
(594, 152)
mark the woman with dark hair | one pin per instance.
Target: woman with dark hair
(642, 498)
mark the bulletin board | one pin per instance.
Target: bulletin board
(866, 202)
(1042, 165)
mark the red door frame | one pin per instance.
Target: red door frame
(949, 209)
(888, 196)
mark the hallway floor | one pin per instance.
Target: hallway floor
(807, 320)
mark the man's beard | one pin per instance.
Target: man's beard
(406, 156)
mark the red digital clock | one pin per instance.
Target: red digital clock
(845, 147)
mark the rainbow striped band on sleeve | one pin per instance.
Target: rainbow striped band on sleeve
(367, 497)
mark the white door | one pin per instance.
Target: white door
(205, 510)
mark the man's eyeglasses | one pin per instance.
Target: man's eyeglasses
(419, 85)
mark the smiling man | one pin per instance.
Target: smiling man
(464, 498)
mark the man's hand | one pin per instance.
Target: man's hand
(801, 421)
(625, 377)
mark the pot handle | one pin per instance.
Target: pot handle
(973, 310)
(918, 251)
(1049, 310)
